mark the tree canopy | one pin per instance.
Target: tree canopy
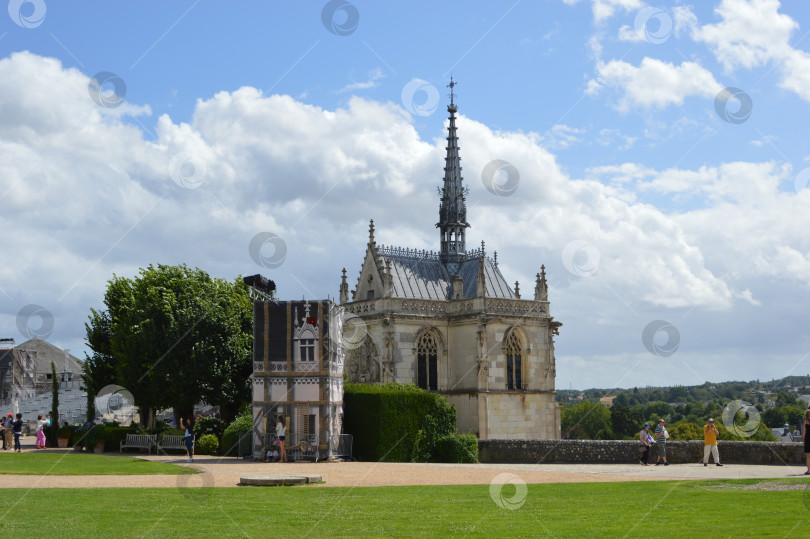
(173, 337)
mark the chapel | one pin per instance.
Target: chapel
(449, 322)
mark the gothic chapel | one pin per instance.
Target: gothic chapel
(449, 322)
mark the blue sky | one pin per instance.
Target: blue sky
(643, 202)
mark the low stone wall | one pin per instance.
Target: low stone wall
(627, 452)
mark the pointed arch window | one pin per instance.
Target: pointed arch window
(427, 359)
(514, 360)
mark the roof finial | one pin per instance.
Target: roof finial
(371, 231)
(451, 86)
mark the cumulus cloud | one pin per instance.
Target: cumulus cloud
(86, 195)
(753, 33)
(654, 83)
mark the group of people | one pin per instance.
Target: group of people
(11, 428)
(660, 436)
(277, 451)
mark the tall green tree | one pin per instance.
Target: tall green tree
(173, 337)
(625, 421)
(50, 432)
(591, 417)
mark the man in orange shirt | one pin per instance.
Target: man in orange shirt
(710, 433)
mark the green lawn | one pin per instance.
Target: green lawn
(82, 464)
(636, 509)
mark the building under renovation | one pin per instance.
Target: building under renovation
(298, 375)
(25, 370)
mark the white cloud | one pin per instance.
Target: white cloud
(372, 82)
(84, 196)
(562, 136)
(604, 9)
(753, 33)
(653, 83)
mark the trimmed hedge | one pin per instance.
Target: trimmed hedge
(461, 448)
(230, 438)
(395, 422)
(207, 445)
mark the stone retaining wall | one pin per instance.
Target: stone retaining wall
(627, 452)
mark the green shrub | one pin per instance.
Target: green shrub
(207, 445)
(209, 425)
(230, 438)
(395, 422)
(461, 448)
(92, 436)
(69, 432)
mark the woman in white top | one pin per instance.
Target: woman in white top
(41, 432)
(280, 432)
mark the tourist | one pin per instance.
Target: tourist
(806, 439)
(272, 454)
(41, 432)
(646, 442)
(710, 433)
(3, 432)
(661, 436)
(9, 426)
(280, 431)
(189, 438)
(17, 430)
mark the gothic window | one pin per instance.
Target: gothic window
(427, 359)
(514, 356)
(370, 294)
(307, 349)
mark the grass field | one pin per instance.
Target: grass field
(82, 464)
(645, 509)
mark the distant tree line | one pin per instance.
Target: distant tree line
(593, 420)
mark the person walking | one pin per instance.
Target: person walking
(189, 437)
(41, 432)
(280, 435)
(17, 430)
(710, 433)
(646, 440)
(661, 436)
(9, 425)
(806, 439)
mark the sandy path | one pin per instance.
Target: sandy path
(226, 472)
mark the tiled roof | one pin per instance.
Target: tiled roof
(427, 278)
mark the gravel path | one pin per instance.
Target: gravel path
(226, 472)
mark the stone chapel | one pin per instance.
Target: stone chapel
(449, 322)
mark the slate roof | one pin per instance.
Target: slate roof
(426, 277)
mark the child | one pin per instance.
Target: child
(41, 432)
(17, 430)
(272, 455)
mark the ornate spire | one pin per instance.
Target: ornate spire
(453, 207)
(344, 289)
(371, 232)
(541, 286)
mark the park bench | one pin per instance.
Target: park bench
(172, 441)
(141, 441)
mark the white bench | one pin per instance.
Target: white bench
(173, 441)
(141, 441)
